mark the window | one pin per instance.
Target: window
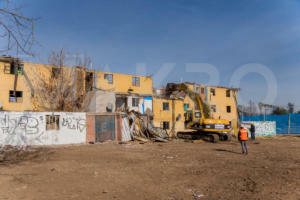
(15, 97)
(186, 106)
(197, 89)
(228, 108)
(52, 122)
(136, 81)
(166, 125)
(135, 102)
(165, 106)
(89, 81)
(213, 108)
(227, 93)
(10, 69)
(213, 91)
(109, 78)
(202, 90)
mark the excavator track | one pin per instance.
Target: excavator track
(209, 137)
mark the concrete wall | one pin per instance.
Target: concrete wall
(262, 128)
(29, 128)
(101, 100)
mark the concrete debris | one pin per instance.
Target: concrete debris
(198, 196)
(141, 129)
(126, 136)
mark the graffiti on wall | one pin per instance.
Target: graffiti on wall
(266, 128)
(74, 123)
(17, 128)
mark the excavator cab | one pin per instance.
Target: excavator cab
(192, 117)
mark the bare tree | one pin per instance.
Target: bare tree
(248, 110)
(62, 88)
(16, 30)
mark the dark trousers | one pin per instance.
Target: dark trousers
(252, 135)
(244, 146)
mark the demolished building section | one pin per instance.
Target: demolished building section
(130, 99)
(171, 103)
(169, 106)
(133, 93)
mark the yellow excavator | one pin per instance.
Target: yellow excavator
(199, 119)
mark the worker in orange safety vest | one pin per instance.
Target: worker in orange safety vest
(243, 138)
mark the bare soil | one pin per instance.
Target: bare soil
(171, 171)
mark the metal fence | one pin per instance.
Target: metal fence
(285, 124)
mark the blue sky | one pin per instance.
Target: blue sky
(224, 33)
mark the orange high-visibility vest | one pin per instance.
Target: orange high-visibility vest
(244, 134)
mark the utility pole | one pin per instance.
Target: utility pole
(289, 129)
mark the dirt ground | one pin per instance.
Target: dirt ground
(170, 171)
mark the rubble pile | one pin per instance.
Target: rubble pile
(141, 129)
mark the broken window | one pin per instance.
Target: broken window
(10, 68)
(55, 72)
(213, 91)
(109, 78)
(213, 108)
(121, 104)
(227, 93)
(202, 90)
(166, 125)
(165, 106)
(136, 81)
(228, 108)
(15, 97)
(52, 122)
(89, 81)
(135, 102)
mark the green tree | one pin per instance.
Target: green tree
(279, 111)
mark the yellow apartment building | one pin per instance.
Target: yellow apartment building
(20, 82)
(132, 92)
(223, 104)
(22, 99)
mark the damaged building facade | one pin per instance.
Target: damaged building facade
(20, 87)
(132, 93)
(169, 110)
(115, 93)
(109, 92)
(221, 100)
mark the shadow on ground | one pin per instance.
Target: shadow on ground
(229, 151)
